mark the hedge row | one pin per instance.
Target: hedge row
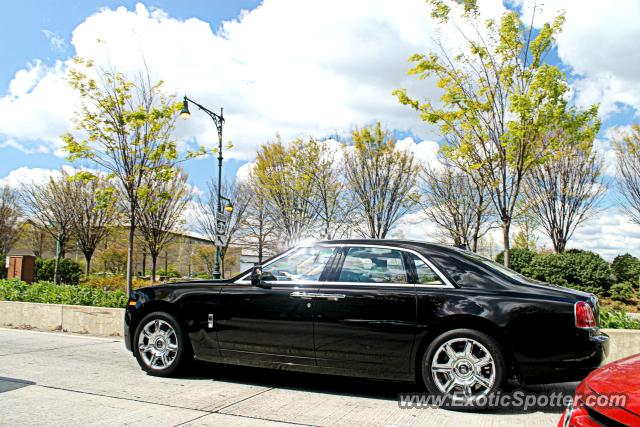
(577, 269)
(47, 292)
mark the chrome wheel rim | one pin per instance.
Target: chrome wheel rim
(463, 368)
(158, 344)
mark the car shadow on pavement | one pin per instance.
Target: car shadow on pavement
(10, 384)
(353, 386)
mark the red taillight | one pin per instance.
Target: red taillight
(584, 315)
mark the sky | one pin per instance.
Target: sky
(316, 68)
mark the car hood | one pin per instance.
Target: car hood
(622, 376)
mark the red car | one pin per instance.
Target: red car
(609, 396)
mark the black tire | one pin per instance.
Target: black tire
(179, 357)
(458, 339)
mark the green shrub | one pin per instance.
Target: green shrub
(202, 276)
(626, 268)
(581, 270)
(69, 271)
(623, 292)
(617, 319)
(520, 259)
(169, 272)
(47, 292)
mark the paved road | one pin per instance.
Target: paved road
(56, 379)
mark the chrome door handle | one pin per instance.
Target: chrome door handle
(317, 295)
(329, 297)
(302, 295)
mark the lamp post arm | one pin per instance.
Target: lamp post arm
(218, 119)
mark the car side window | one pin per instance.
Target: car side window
(426, 275)
(373, 265)
(305, 263)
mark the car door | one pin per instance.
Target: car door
(274, 324)
(366, 320)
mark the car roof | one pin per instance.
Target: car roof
(394, 242)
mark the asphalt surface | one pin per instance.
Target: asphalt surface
(61, 379)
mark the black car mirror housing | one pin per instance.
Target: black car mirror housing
(258, 277)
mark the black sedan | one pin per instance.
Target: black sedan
(386, 309)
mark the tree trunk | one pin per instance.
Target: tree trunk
(87, 268)
(506, 225)
(132, 230)
(154, 264)
(56, 268)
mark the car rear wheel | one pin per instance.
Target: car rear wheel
(464, 366)
(160, 345)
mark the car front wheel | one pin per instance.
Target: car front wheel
(160, 345)
(464, 366)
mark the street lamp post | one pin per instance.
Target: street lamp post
(218, 120)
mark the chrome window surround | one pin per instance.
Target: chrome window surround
(445, 282)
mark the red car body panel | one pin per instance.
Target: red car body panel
(619, 377)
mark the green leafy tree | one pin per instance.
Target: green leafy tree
(382, 178)
(626, 268)
(125, 128)
(500, 100)
(281, 171)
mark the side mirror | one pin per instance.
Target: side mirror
(258, 277)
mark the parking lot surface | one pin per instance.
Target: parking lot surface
(61, 379)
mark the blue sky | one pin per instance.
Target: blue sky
(316, 68)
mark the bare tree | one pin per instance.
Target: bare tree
(456, 204)
(627, 146)
(382, 178)
(10, 215)
(257, 231)
(37, 238)
(48, 205)
(239, 195)
(564, 191)
(94, 211)
(161, 213)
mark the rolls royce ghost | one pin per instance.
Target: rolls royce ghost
(387, 309)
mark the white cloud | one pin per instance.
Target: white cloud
(297, 68)
(56, 42)
(38, 107)
(598, 43)
(244, 171)
(25, 175)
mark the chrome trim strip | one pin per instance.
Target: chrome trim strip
(447, 283)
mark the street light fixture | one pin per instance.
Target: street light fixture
(218, 120)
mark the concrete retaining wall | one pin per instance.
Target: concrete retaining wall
(622, 343)
(69, 318)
